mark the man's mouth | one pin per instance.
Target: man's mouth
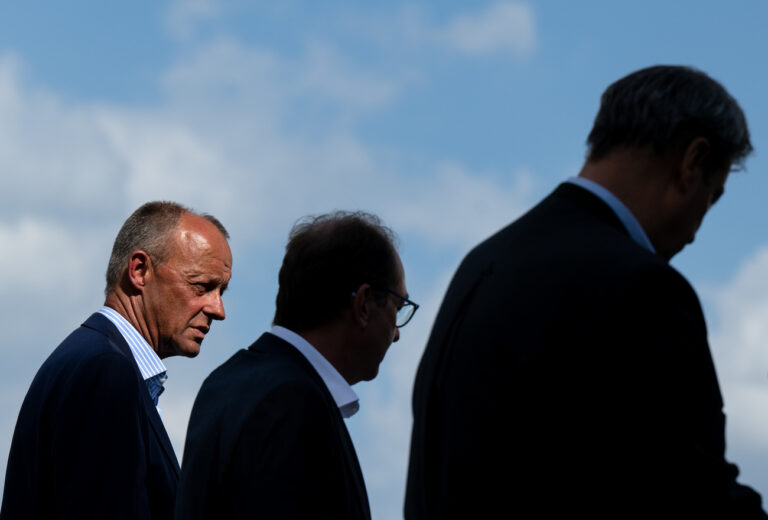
(201, 332)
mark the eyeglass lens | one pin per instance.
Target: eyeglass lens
(404, 315)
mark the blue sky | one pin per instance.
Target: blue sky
(448, 119)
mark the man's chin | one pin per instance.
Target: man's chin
(190, 354)
(371, 375)
(190, 349)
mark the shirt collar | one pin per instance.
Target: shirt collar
(146, 358)
(626, 217)
(346, 398)
(155, 387)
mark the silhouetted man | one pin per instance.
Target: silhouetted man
(89, 441)
(568, 372)
(267, 437)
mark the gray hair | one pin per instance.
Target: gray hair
(666, 107)
(147, 229)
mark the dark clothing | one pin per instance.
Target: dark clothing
(89, 442)
(568, 375)
(266, 440)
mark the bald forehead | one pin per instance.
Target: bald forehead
(192, 222)
(196, 232)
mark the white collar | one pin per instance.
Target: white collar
(346, 398)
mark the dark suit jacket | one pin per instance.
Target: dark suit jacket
(568, 375)
(266, 440)
(89, 442)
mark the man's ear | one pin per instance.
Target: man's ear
(139, 270)
(361, 304)
(693, 164)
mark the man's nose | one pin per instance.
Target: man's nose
(215, 306)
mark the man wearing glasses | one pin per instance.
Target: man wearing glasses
(266, 437)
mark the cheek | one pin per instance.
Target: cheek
(182, 308)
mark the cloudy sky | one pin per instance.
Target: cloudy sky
(448, 119)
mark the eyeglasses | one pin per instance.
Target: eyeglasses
(406, 311)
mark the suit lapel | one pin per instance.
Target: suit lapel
(278, 346)
(160, 432)
(354, 467)
(102, 324)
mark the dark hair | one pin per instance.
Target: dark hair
(147, 229)
(327, 258)
(666, 107)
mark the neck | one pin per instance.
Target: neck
(132, 309)
(331, 341)
(636, 177)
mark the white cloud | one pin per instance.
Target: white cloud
(224, 74)
(325, 72)
(741, 344)
(51, 279)
(501, 27)
(267, 86)
(460, 207)
(740, 350)
(183, 16)
(53, 158)
(167, 160)
(239, 101)
(10, 70)
(31, 248)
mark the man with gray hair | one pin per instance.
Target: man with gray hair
(568, 373)
(89, 441)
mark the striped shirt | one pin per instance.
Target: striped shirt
(151, 367)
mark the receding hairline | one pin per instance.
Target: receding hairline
(148, 229)
(172, 236)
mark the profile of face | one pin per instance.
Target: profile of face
(706, 190)
(381, 330)
(183, 295)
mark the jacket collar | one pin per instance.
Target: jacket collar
(101, 323)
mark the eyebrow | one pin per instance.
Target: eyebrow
(205, 279)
